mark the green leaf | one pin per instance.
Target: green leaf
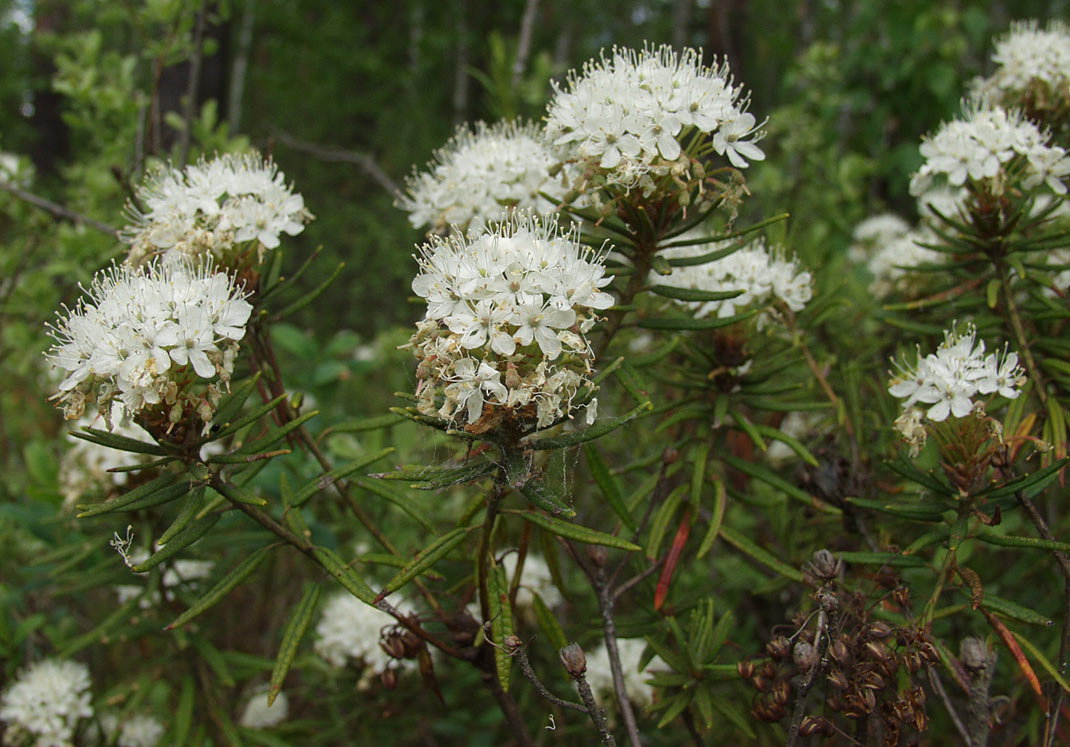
(365, 424)
(183, 714)
(747, 427)
(338, 473)
(389, 493)
(501, 625)
(660, 524)
(291, 639)
(660, 265)
(691, 323)
(311, 296)
(166, 482)
(185, 516)
(542, 496)
(733, 713)
(903, 509)
(720, 634)
(891, 559)
(222, 588)
(986, 534)
(693, 294)
(704, 704)
(675, 707)
(551, 628)
(432, 478)
(720, 499)
(792, 443)
(346, 576)
(761, 555)
(424, 560)
(237, 494)
(761, 473)
(1041, 659)
(574, 531)
(589, 434)
(608, 486)
(252, 417)
(275, 435)
(179, 542)
(214, 659)
(115, 441)
(909, 471)
(1015, 611)
(120, 615)
(230, 407)
(1030, 485)
(632, 381)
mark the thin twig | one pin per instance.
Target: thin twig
(609, 629)
(938, 688)
(339, 155)
(594, 711)
(525, 667)
(523, 43)
(58, 210)
(821, 648)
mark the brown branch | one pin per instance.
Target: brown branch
(57, 210)
(609, 629)
(339, 155)
(191, 92)
(938, 688)
(517, 651)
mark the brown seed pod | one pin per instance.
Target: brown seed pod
(816, 725)
(762, 684)
(778, 648)
(902, 597)
(837, 679)
(834, 702)
(872, 681)
(392, 644)
(875, 650)
(839, 651)
(781, 692)
(879, 630)
(746, 668)
(389, 679)
(768, 670)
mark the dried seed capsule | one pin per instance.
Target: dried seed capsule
(879, 630)
(389, 679)
(837, 679)
(778, 647)
(781, 692)
(816, 725)
(745, 668)
(839, 651)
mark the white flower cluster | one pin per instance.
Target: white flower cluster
(350, 630)
(46, 704)
(990, 145)
(507, 311)
(600, 675)
(629, 115)
(139, 730)
(536, 579)
(146, 336)
(873, 233)
(948, 379)
(762, 273)
(895, 256)
(213, 209)
(1028, 56)
(481, 176)
(257, 714)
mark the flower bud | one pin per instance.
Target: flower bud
(574, 660)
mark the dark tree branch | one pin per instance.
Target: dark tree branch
(340, 155)
(191, 91)
(58, 210)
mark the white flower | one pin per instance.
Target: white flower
(258, 715)
(349, 631)
(481, 175)
(891, 263)
(872, 233)
(140, 332)
(980, 148)
(46, 703)
(213, 209)
(948, 379)
(761, 273)
(630, 114)
(508, 307)
(139, 730)
(1026, 57)
(600, 675)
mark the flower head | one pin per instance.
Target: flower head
(47, 702)
(508, 308)
(257, 714)
(629, 115)
(139, 730)
(948, 379)
(213, 209)
(760, 272)
(149, 339)
(1032, 68)
(981, 149)
(481, 175)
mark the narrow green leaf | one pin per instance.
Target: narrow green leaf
(632, 382)
(720, 634)
(183, 714)
(704, 704)
(986, 534)
(390, 494)
(660, 265)
(551, 628)
(891, 559)
(574, 531)
(222, 588)
(121, 443)
(214, 659)
(120, 615)
(1030, 485)
(693, 294)
(311, 296)
(365, 424)
(249, 418)
(720, 499)
(154, 487)
(792, 443)
(542, 496)
(179, 542)
(608, 486)
(431, 478)
(275, 435)
(662, 517)
(909, 471)
(761, 555)
(185, 515)
(1015, 611)
(1041, 659)
(589, 434)
(424, 560)
(676, 706)
(733, 713)
(338, 473)
(759, 472)
(902, 509)
(230, 407)
(501, 621)
(747, 427)
(699, 457)
(291, 639)
(237, 494)
(346, 576)
(691, 323)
